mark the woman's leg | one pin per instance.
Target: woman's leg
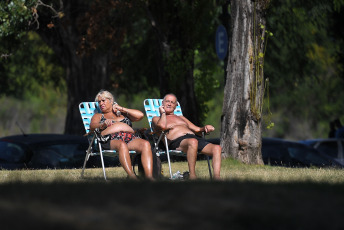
(124, 157)
(143, 147)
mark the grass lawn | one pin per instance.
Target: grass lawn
(249, 197)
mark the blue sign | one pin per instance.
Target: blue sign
(221, 42)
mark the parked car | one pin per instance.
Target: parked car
(293, 154)
(280, 152)
(37, 151)
(332, 147)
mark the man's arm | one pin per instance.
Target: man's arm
(196, 129)
(160, 122)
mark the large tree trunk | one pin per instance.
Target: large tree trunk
(85, 74)
(85, 77)
(241, 115)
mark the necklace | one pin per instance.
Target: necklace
(109, 117)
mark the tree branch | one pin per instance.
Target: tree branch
(56, 14)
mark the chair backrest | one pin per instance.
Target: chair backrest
(152, 109)
(87, 109)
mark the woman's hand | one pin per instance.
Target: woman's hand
(108, 122)
(116, 107)
(105, 124)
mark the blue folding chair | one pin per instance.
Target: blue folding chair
(87, 110)
(152, 109)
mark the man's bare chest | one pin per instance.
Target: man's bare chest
(175, 120)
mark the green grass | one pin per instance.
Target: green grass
(249, 197)
(231, 170)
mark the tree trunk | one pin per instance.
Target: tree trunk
(93, 72)
(85, 74)
(244, 89)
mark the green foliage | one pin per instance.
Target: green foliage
(213, 116)
(303, 61)
(15, 16)
(259, 84)
(208, 75)
(338, 4)
(304, 65)
(31, 66)
(190, 48)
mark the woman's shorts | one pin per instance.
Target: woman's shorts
(122, 136)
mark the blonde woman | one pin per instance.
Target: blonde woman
(115, 126)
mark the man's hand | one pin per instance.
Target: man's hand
(208, 128)
(162, 110)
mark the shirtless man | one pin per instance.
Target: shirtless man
(181, 136)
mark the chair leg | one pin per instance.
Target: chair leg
(168, 156)
(210, 174)
(88, 153)
(84, 166)
(102, 160)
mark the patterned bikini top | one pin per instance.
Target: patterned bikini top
(125, 120)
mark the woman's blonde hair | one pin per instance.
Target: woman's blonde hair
(105, 94)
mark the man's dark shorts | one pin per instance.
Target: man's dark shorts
(176, 142)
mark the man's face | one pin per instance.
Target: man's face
(169, 103)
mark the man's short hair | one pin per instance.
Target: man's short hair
(172, 94)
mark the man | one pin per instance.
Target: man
(181, 136)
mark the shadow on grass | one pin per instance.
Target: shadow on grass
(126, 204)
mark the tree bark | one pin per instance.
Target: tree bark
(85, 74)
(240, 124)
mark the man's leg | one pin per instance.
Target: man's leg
(215, 152)
(189, 146)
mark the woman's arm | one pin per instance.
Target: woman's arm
(132, 114)
(95, 122)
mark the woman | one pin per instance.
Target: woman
(114, 124)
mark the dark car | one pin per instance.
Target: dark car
(332, 147)
(293, 154)
(280, 152)
(37, 151)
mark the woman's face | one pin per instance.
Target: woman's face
(104, 103)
